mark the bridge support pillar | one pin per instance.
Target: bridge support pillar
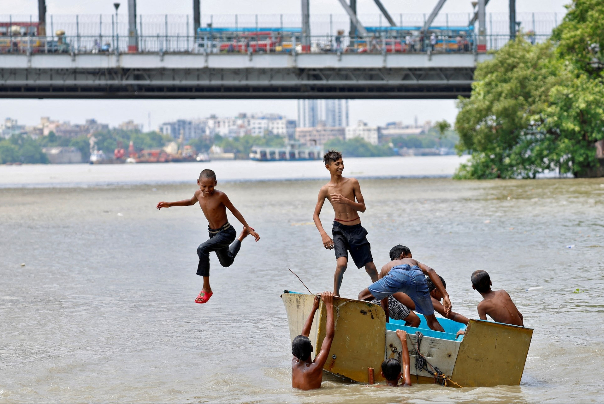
(482, 27)
(196, 17)
(512, 19)
(132, 34)
(353, 27)
(41, 17)
(305, 25)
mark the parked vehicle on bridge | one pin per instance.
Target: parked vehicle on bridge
(242, 40)
(412, 39)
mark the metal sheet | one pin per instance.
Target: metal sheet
(492, 354)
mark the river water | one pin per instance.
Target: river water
(97, 290)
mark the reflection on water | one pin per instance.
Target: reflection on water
(103, 308)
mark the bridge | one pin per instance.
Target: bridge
(405, 61)
(285, 76)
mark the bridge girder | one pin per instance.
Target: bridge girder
(303, 79)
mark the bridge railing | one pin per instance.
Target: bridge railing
(103, 44)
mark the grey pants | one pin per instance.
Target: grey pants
(220, 242)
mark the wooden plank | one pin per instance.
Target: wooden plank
(440, 353)
(359, 339)
(492, 354)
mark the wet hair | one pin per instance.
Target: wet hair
(481, 281)
(301, 347)
(432, 286)
(331, 156)
(391, 368)
(397, 250)
(207, 173)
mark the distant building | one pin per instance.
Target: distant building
(333, 112)
(368, 133)
(319, 135)
(188, 129)
(11, 127)
(131, 126)
(63, 155)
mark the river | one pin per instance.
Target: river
(97, 290)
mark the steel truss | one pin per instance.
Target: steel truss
(293, 83)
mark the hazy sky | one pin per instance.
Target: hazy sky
(115, 111)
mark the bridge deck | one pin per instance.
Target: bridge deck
(237, 75)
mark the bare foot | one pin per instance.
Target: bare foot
(244, 234)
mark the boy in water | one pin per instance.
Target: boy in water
(404, 274)
(391, 368)
(348, 234)
(307, 374)
(497, 304)
(214, 204)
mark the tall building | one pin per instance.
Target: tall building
(333, 112)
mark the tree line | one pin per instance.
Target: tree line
(539, 108)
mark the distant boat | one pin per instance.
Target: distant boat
(490, 354)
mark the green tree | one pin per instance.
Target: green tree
(243, 145)
(581, 35)
(9, 153)
(499, 123)
(442, 127)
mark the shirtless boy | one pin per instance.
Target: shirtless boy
(391, 368)
(348, 234)
(406, 275)
(308, 374)
(214, 204)
(497, 304)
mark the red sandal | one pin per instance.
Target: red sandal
(203, 297)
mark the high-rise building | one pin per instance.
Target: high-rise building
(333, 112)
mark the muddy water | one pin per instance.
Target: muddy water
(103, 311)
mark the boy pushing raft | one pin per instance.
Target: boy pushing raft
(214, 204)
(348, 234)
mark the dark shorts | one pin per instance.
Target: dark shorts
(354, 239)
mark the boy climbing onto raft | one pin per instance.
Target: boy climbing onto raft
(308, 374)
(348, 234)
(497, 304)
(404, 274)
(214, 204)
(391, 368)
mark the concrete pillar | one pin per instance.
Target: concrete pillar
(482, 27)
(41, 17)
(512, 19)
(132, 34)
(196, 16)
(353, 27)
(305, 26)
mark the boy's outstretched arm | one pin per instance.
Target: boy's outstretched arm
(405, 361)
(186, 202)
(327, 241)
(359, 205)
(321, 358)
(311, 316)
(227, 202)
(436, 281)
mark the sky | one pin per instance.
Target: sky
(374, 112)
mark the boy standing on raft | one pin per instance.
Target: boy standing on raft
(348, 234)
(214, 204)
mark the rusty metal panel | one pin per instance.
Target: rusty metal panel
(492, 354)
(359, 340)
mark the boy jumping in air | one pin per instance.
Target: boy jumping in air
(214, 204)
(348, 234)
